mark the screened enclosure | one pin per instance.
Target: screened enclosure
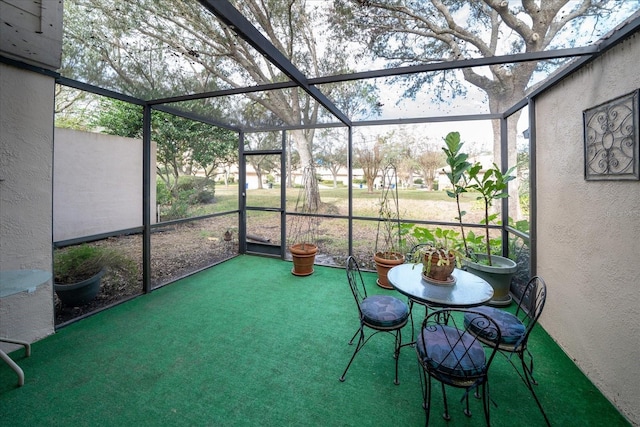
(253, 121)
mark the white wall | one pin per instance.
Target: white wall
(589, 234)
(97, 184)
(26, 145)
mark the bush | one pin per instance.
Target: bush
(177, 210)
(163, 195)
(204, 196)
(186, 183)
(78, 263)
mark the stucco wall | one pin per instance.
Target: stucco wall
(97, 184)
(589, 234)
(31, 31)
(26, 145)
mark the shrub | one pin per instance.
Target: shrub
(78, 263)
(204, 196)
(177, 210)
(163, 195)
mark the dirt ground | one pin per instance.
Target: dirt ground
(177, 250)
(180, 249)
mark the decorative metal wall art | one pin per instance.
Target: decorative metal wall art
(611, 143)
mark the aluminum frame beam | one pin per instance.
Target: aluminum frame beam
(231, 17)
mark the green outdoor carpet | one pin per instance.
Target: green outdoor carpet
(246, 343)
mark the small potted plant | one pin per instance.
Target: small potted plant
(388, 253)
(439, 255)
(303, 230)
(78, 271)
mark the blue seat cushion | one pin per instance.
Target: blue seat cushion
(384, 311)
(466, 359)
(511, 328)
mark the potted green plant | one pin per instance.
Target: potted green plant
(457, 175)
(78, 271)
(303, 229)
(497, 270)
(490, 186)
(388, 253)
(438, 255)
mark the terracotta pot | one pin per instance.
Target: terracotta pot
(304, 255)
(385, 261)
(440, 273)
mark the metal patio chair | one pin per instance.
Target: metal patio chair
(380, 313)
(455, 357)
(515, 330)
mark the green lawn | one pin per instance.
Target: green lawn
(413, 203)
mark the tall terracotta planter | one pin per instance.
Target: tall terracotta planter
(304, 255)
(385, 261)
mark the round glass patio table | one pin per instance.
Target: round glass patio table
(468, 290)
(14, 282)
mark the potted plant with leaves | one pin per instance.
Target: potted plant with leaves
(497, 270)
(78, 271)
(303, 230)
(457, 175)
(490, 185)
(438, 254)
(388, 253)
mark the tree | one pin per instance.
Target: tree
(402, 153)
(426, 31)
(158, 48)
(332, 152)
(371, 159)
(261, 163)
(429, 162)
(183, 146)
(71, 108)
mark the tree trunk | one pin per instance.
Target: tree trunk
(312, 190)
(515, 210)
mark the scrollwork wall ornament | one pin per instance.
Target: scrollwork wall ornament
(611, 139)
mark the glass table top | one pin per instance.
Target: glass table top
(16, 281)
(468, 290)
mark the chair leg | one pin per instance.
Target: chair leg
(358, 347)
(445, 415)
(529, 369)
(396, 352)
(467, 411)
(486, 402)
(355, 335)
(530, 384)
(411, 316)
(425, 385)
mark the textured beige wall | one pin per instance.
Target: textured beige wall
(31, 31)
(97, 184)
(589, 234)
(26, 145)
